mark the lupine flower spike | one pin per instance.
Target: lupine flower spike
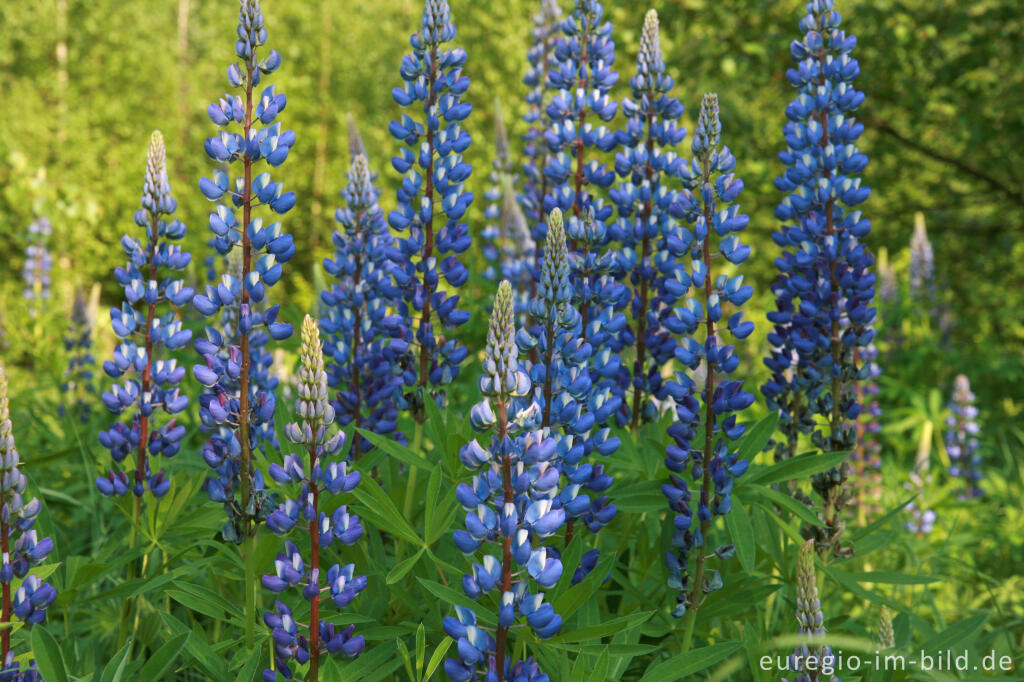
(542, 58)
(961, 438)
(366, 341)
(22, 549)
(149, 329)
(824, 290)
(38, 263)
(511, 502)
(236, 405)
(319, 474)
(706, 202)
(922, 261)
(645, 227)
(866, 460)
(431, 204)
(886, 637)
(78, 387)
(810, 659)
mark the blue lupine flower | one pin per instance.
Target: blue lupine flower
(146, 322)
(511, 501)
(22, 547)
(824, 290)
(961, 438)
(541, 56)
(922, 260)
(237, 404)
(38, 263)
(645, 227)
(318, 475)
(706, 202)
(507, 245)
(432, 201)
(563, 386)
(366, 340)
(866, 459)
(78, 384)
(12, 671)
(811, 659)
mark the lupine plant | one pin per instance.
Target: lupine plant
(234, 406)
(706, 202)
(366, 340)
(22, 549)
(866, 458)
(813, 658)
(961, 438)
(319, 474)
(886, 636)
(510, 504)
(78, 385)
(645, 164)
(825, 288)
(432, 201)
(38, 263)
(922, 261)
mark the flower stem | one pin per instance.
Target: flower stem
(249, 559)
(506, 561)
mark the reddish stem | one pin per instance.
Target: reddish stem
(5, 545)
(428, 238)
(641, 322)
(314, 539)
(506, 561)
(243, 390)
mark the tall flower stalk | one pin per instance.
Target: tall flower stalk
(38, 264)
(21, 548)
(706, 203)
(646, 162)
(510, 504)
(812, 658)
(922, 261)
(234, 405)
(866, 456)
(961, 438)
(78, 387)
(825, 288)
(432, 201)
(318, 476)
(366, 340)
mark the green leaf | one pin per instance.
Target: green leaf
(958, 633)
(741, 532)
(378, 507)
(250, 669)
(162, 658)
(48, 656)
(570, 602)
(880, 521)
(889, 578)
(421, 651)
(403, 567)
(798, 467)
(757, 436)
(765, 496)
(690, 662)
(640, 497)
(114, 670)
(438, 655)
(605, 629)
(397, 450)
(450, 596)
(403, 651)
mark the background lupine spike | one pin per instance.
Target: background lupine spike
(322, 471)
(78, 385)
(961, 438)
(866, 459)
(238, 402)
(813, 657)
(922, 260)
(432, 203)
(511, 502)
(825, 286)
(365, 340)
(17, 516)
(647, 163)
(707, 204)
(149, 330)
(886, 636)
(38, 264)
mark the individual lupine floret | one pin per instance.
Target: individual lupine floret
(78, 387)
(886, 636)
(38, 263)
(432, 201)
(541, 56)
(319, 475)
(22, 547)
(645, 227)
(145, 323)
(961, 438)
(922, 260)
(813, 660)
(511, 502)
(234, 405)
(824, 289)
(706, 202)
(366, 340)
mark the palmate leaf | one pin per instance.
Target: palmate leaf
(682, 665)
(797, 468)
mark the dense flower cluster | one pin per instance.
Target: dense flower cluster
(706, 202)
(536, 154)
(886, 636)
(507, 244)
(17, 516)
(145, 323)
(867, 461)
(432, 201)
(77, 385)
(812, 658)
(825, 288)
(961, 438)
(366, 340)
(38, 262)
(236, 406)
(645, 227)
(511, 501)
(317, 476)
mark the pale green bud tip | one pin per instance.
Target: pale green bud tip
(886, 636)
(355, 140)
(157, 151)
(650, 32)
(503, 303)
(805, 560)
(310, 336)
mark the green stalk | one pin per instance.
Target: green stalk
(410, 490)
(249, 557)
